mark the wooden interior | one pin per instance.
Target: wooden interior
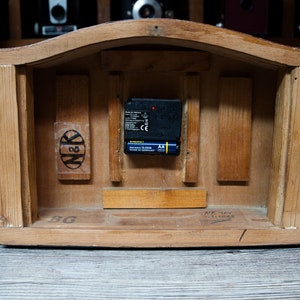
(235, 181)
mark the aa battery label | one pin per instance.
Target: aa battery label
(142, 147)
(137, 121)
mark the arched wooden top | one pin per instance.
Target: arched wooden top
(152, 31)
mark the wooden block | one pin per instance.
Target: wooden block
(72, 137)
(234, 129)
(160, 61)
(114, 113)
(154, 198)
(191, 165)
(72, 150)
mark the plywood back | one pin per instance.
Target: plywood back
(110, 167)
(234, 129)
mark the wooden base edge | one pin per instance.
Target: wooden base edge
(148, 238)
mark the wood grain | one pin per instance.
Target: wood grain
(163, 31)
(153, 198)
(114, 119)
(192, 138)
(72, 98)
(256, 273)
(10, 183)
(72, 136)
(280, 145)
(155, 61)
(78, 53)
(213, 217)
(291, 211)
(234, 129)
(148, 238)
(25, 91)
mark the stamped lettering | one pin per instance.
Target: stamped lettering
(72, 149)
(215, 216)
(61, 219)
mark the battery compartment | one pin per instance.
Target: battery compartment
(152, 126)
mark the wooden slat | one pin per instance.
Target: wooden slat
(196, 10)
(291, 212)
(228, 273)
(234, 129)
(114, 113)
(15, 27)
(72, 138)
(153, 198)
(156, 31)
(10, 165)
(27, 143)
(288, 21)
(191, 164)
(143, 238)
(164, 61)
(280, 146)
(103, 11)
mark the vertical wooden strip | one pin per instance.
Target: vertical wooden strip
(114, 113)
(191, 165)
(280, 147)
(72, 137)
(15, 27)
(27, 144)
(196, 10)
(288, 21)
(234, 129)
(103, 9)
(10, 165)
(291, 213)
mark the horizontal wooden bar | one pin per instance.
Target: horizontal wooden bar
(149, 237)
(153, 198)
(163, 61)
